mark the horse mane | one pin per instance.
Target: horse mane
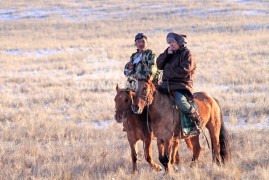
(123, 89)
(163, 98)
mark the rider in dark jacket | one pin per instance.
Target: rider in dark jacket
(178, 68)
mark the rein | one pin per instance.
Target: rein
(146, 98)
(148, 116)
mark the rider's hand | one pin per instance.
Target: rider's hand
(170, 51)
(130, 65)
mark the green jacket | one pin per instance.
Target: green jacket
(147, 65)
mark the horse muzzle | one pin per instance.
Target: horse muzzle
(119, 118)
(136, 109)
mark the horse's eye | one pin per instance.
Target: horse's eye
(126, 100)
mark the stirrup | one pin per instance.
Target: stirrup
(193, 132)
(194, 115)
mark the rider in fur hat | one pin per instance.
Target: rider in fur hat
(178, 67)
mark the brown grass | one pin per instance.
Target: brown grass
(60, 83)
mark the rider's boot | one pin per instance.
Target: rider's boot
(196, 119)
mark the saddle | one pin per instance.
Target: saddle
(186, 123)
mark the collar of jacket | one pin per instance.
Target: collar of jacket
(137, 50)
(180, 49)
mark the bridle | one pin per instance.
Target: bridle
(146, 98)
(121, 111)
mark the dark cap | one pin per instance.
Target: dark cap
(140, 36)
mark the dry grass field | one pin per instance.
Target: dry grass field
(60, 63)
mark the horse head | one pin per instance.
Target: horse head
(123, 101)
(143, 96)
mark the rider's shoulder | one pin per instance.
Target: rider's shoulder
(187, 50)
(134, 54)
(149, 51)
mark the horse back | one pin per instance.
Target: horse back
(207, 105)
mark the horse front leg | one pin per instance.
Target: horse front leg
(160, 146)
(164, 156)
(133, 146)
(196, 149)
(148, 154)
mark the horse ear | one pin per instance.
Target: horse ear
(117, 88)
(131, 93)
(148, 77)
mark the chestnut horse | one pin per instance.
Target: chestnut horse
(166, 124)
(136, 128)
(134, 125)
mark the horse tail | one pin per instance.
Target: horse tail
(224, 139)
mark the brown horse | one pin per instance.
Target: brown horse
(136, 128)
(134, 125)
(166, 125)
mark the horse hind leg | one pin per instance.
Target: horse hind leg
(148, 154)
(219, 136)
(133, 146)
(175, 159)
(214, 132)
(196, 149)
(175, 156)
(189, 144)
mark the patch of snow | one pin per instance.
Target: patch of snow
(223, 87)
(255, 12)
(109, 11)
(95, 124)
(245, 1)
(12, 14)
(249, 126)
(38, 52)
(101, 125)
(255, 26)
(201, 12)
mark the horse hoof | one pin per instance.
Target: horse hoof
(135, 172)
(158, 167)
(193, 164)
(165, 173)
(162, 171)
(175, 168)
(177, 162)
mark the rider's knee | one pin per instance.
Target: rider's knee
(180, 98)
(182, 102)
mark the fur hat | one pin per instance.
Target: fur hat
(179, 38)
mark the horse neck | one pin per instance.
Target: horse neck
(132, 117)
(162, 114)
(157, 100)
